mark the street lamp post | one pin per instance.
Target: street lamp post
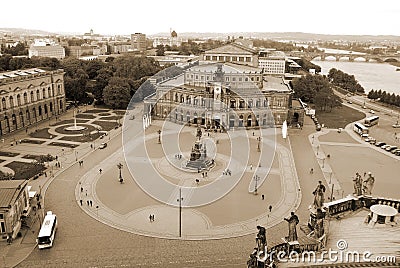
(119, 166)
(76, 155)
(159, 136)
(256, 178)
(258, 145)
(323, 162)
(180, 211)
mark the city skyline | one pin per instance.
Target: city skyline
(340, 18)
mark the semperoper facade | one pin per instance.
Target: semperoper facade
(227, 89)
(29, 96)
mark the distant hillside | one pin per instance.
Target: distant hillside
(288, 36)
(20, 31)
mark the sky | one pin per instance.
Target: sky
(352, 17)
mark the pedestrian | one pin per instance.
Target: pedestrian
(100, 171)
(150, 218)
(39, 206)
(45, 174)
(81, 189)
(311, 171)
(81, 202)
(91, 203)
(251, 166)
(262, 197)
(56, 157)
(86, 192)
(88, 203)
(270, 208)
(91, 146)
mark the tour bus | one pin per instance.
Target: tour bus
(361, 129)
(47, 231)
(372, 120)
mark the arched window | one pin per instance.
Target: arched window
(11, 99)
(48, 92)
(19, 100)
(44, 93)
(25, 98)
(37, 95)
(3, 103)
(32, 97)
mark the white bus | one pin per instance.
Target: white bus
(47, 231)
(372, 120)
(361, 129)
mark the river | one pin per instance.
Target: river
(370, 75)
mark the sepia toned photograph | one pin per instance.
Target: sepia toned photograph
(204, 134)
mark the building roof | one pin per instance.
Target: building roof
(19, 73)
(9, 191)
(273, 83)
(233, 49)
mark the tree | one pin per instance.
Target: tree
(117, 93)
(160, 50)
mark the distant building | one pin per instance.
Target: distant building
(273, 62)
(233, 52)
(29, 96)
(14, 204)
(138, 42)
(87, 50)
(46, 49)
(117, 47)
(172, 40)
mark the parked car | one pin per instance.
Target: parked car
(396, 125)
(391, 148)
(103, 145)
(318, 127)
(395, 151)
(385, 146)
(372, 111)
(380, 143)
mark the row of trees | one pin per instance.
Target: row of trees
(113, 82)
(384, 97)
(316, 89)
(345, 81)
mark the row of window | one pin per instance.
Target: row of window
(12, 104)
(227, 58)
(227, 78)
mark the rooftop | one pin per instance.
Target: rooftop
(233, 49)
(19, 73)
(273, 83)
(9, 191)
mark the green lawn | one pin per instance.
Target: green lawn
(9, 154)
(60, 144)
(42, 133)
(339, 117)
(106, 125)
(24, 171)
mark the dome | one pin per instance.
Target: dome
(174, 34)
